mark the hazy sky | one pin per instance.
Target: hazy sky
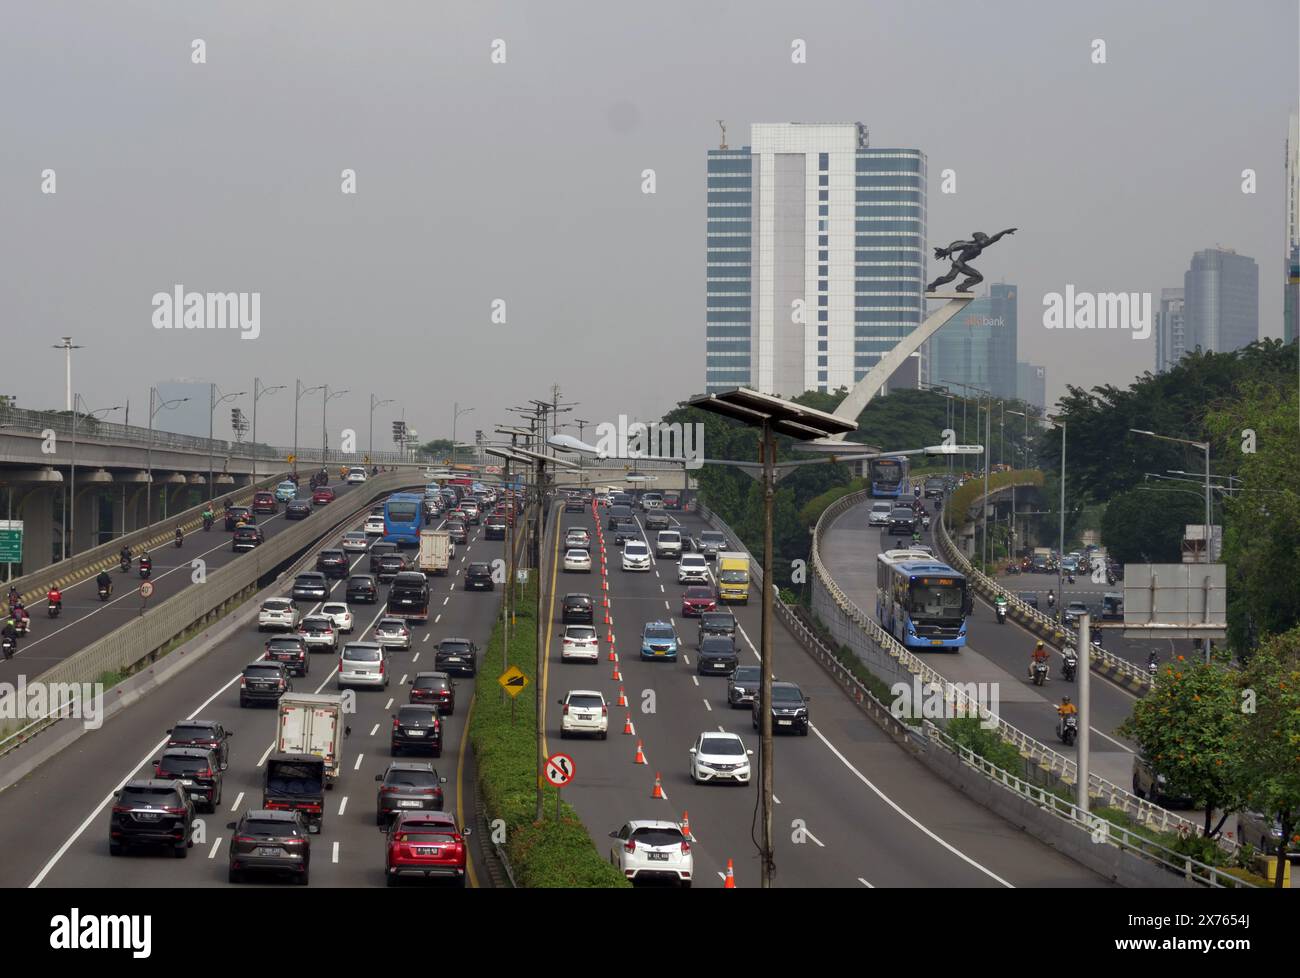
(522, 181)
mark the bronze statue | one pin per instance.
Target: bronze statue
(962, 252)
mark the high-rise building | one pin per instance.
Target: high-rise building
(977, 347)
(1171, 329)
(815, 257)
(1291, 250)
(1221, 301)
(188, 417)
(1031, 384)
(1291, 298)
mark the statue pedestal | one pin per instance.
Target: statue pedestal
(950, 295)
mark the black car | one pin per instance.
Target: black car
(625, 532)
(436, 689)
(297, 509)
(239, 514)
(458, 655)
(710, 543)
(618, 514)
(246, 538)
(716, 656)
(378, 550)
(478, 577)
(291, 651)
(270, 841)
(408, 596)
(742, 688)
(456, 531)
(151, 812)
(494, 528)
(310, 586)
(407, 786)
(789, 709)
(332, 563)
(417, 727)
(902, 519)
(716, 623)
(197, 769)
(263, 682)
(656, 521)
(935, 486)
(577, 609)
(210, 734)
(362, 589)
(390, 565)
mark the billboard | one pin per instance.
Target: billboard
(1175, 601)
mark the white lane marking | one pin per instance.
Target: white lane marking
(402, 681)
(426, 634)
(357, 766)
(215, 846)
(776, 799)
(814, 838)
(865, 883)
(335, 855)
(662, 591)
(343, 805)
(695, 680)
(415, 658)
(708, 706)
(270, 747)
(667, 606)
(721, 729)
(389, 705)
(375, 730)
(435, 621)
(686, 659)
(238, 799)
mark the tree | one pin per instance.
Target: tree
(1190, 727)
(1271, 745)
(1147, 527)
(440, 447)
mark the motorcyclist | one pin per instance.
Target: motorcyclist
(1000, 605)
(1051, 598)
(1040, 654)
(208, 517)
(124, 554)
(55, 597)
(1153, 661)
(104, 580)
(10, 635)
(374, 470)
(1066, 709)
(180, 536)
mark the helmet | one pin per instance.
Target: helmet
(1065, 700)
(1039, 645)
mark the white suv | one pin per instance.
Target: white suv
(652, 500)
(580, 642)
(277, 613)
(636, 556)
(879, 514)
(356, 474)
(363, 664)
(374, 526)
(653, 850)
(585, 712)
(692, 569)
(340, 614)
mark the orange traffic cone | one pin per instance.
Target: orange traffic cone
(730, 882)
(627, 725)
(612, 656)
(609, 636)
(686, 825)
(622, 697)
(659, 788)
(640, 754)
(617, 677)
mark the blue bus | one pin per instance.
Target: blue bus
(403, 517)
(888, 477)
(921, 601)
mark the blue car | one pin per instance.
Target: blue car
(286, 491)
(659, 641)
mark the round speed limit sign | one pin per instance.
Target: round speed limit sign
(146, 589)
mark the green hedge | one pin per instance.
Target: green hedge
(546, 854)
(964, 497)
(813, 509)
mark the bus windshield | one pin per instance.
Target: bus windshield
(402, 512)
(935, 601)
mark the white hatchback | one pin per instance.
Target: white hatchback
(356, 474)
(653, 850)
(584, 712)
(636, 556)
(340, 614)
(374, 526)
(720, 757)
(577, 560)
(580, 642)
(879, 515)
(693, 569)
(277, 613)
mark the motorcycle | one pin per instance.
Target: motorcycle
(1069, 665)
(1051, 600)
(146, 567)
(125, 564)
(104, 591)
(207, 523)
(1068, 729)
(1152, 668)
(1000, 609)
(1069, 578)
(1110, 578)
(1040, 673)
(10, 646)
(925, 521)
(53, 608)
(20, 624)
(180, 540)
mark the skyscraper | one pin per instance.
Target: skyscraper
(1291, 298)
(1031, 384)
(1291, 249)
(1221, 301)
(978, 346)
(815, 257)
(1171, 329)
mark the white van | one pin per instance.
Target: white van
(880, 511)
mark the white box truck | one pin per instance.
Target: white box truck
(311, 723)
(435, 551)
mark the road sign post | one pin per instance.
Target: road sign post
(513, 681)
(559, 772)
(11, 544)
(146, 592)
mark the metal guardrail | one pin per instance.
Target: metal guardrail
(144, 637)
(1064, 768)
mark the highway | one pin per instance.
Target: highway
(993, 654)
(865, 814)
(54, 824)
(85, 618)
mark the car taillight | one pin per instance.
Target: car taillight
(174, 811)
(686, 848)
(395, 723)
(243, 681)
(388, 789)
(206, 773)
(245, 839)
(340, 663)
(604, 711)
(381, 667)
(566, 709)
(157, 771)
(630, 847)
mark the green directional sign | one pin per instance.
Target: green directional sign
(11, 541)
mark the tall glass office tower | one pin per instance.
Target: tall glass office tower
(1221, 301)
(978, 346)
(815, 257)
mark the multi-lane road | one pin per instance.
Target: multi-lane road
(54, 823)
(853, 809)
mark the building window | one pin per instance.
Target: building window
(823, 210)
(823, 195)
(823, 256)
(821, 361)
(822, 300)
(821, 346)
(822, 269)
(823, 161)
(822, 376)
(821, 330)
(823, 315)
(823, 240)
(823, 181)
(822, 285)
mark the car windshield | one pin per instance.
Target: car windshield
(580, 632)
(192, 732)
(699, 592)
(359, 582)
(452, 645)
(429, 837)
(733, 576)
(636, 549)
(268, 828)
(277, 605)
(586, 702)
(657, 836)
(183, 765)
(694, 560)
(262, 672)
(362, 655)
(293, 778)
(710, 536)
(392, 624)
(412, 779)
(430, 682)
(669, 536)
(745, 674)
(786, 694)
(722, 745)
(659, 631)
(902, 513)
(334, 609)
(724, 622)
(317, 624)
(308, 580)
(717, 645)
(284, 645)
(414, 714)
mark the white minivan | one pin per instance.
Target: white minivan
(880, 511)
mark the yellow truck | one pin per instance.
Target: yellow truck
(733, 577)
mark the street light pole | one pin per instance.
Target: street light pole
(374, 404)
(768, 866)
(148, 499)
(326, 397)
(256, 395)
(213, 401)
(70, 506)
(67, 346)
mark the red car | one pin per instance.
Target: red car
(323, 495)
(264, 502)
(425, 845)
(697, 600)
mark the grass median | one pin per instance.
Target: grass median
(549, 853)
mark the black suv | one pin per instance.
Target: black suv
(902, 519)
(297, 509)
(332, 563)
(203, 733)
(263, 682)
(743, 685)
(456, 655)
(151, 812)
(417, 727)
(274, 841)
(379, 549)
(716, 656)
(436, 689)
(362, 590)
(626, 532)
(291, 652)
(618, 514)
(390, 565)
(789, 709)
(479, 577)
(716, 623)
(494, 528)
(934, 486)
(577, 609)
(407, 786)
(310, 586)
(197, 769)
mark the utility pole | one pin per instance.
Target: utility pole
(768, 450)
(67, 346)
